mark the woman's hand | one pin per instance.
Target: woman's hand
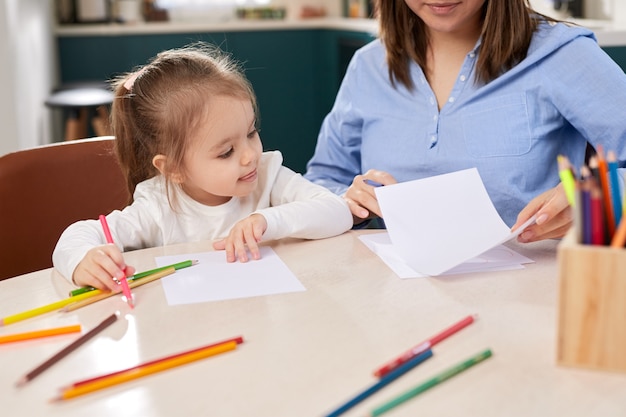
(361, 197)
(554, 216)
(248, 231)
(102, 267)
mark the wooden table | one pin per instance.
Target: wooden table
(308, 352)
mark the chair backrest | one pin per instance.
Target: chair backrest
(45, 189)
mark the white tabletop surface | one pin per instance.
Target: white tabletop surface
(307, 352)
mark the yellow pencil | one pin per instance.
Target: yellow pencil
(135, 373)
(47, 308)
(18, 337)
(133, 284)
(567, 179)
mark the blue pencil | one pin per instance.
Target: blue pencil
(616, 199)
(390, 377)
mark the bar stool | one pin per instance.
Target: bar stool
(83, 101)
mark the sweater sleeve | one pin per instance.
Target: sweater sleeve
(301, 209)
(135, 227)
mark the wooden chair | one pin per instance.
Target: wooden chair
(45, 189)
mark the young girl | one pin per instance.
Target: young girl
(187, 142)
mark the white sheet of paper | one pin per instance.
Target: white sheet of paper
(214, 279)
(499, 258)
(443, 221)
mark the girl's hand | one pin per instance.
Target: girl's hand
(101, 267)
(361, 197)
(248, 231)
(554, 216)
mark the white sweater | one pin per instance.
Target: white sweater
(292, 206)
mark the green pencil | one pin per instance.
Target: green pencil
(177, 266)
(447, 374)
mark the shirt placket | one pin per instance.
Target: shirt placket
(458, 87)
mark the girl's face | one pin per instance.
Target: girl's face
(224, 154)
(449, 16)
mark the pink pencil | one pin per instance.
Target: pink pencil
(123, 281)
(422, 347)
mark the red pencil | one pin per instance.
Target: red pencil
(597, 217)
(422, 347)
(238, 340)
(123, 281)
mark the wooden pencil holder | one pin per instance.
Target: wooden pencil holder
(592, 306)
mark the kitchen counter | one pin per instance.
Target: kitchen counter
(607, 32)
(234, 25)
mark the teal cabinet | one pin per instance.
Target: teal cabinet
(295, 73)
(618, 53)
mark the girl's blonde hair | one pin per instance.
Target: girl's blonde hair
(158, 107)
(508, 27)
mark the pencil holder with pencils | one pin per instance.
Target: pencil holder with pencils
(592, 305)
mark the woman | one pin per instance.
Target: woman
(457, 84)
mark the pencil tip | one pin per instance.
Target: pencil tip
(21, 382)
(195, 262)
(1, 322)
(55, 400)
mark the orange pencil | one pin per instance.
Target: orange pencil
(119, 378)
(238, 340)
(36, 334)
(619, 238)
(603, 171)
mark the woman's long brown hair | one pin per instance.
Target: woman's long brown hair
(508, 27)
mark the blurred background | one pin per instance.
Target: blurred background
(46, 43)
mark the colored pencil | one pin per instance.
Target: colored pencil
(425, 345)
(123, 281)
(382, 382)
(36, 334)
(46, 308)
(597, 217)
(615, 187)
(619, 238)
(238, 340)
(140, 275)
(134, 284)
(445, 375)
(585, 207)
(567, 179)
(142, 371)
(609, 218)
(68, 349)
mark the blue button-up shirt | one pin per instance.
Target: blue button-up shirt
(565, 93)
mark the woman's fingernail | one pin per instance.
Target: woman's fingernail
(526, 236)
(541, 219)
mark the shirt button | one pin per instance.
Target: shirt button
(472, 55)
(451, 99)
(463, 78)
(433, 139)
(435, 118)
(432, 100)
